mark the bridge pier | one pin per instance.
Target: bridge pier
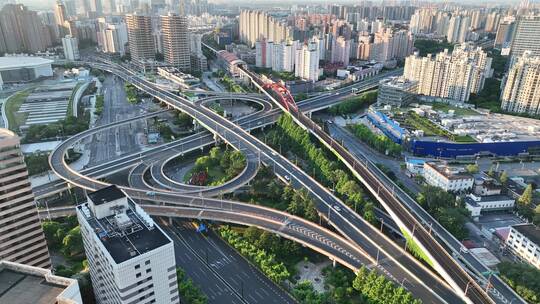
(170, 220)
(334, 263)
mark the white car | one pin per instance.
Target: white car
(287, 178)
(337, 208)
(150, 193)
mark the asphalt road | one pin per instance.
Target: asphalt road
(205, 256)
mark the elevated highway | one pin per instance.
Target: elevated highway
(416, 277)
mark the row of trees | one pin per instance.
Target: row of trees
(380, 143)
(188, 291)
(288, 136)
(377, 289)
(286, 251)
(444, 207)
(231, 86)
(70, 126)
(100, 104)
(523, 278)
(268, 264)
(525, 205)
(131, 93)
(64, 236)
(354, 104)
(37, 163)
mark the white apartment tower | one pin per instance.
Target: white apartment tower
(131, 260)
(307, 62)
(257, 25)
(21, 237)
(521, 93)
(176, 41)
(71, 48)
(341, 50)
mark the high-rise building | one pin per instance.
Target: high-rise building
(176, 41)
(505, 32)
(453, 76)
(389, 45)
(256, 25)
(521, 93)
(131, 260)
(21, 237)
(307, 61)
(526, 37)
(112, 37)
(458, 29)
(141, 42)
(492, 22)
(22, 30)
(341, 50)
(61, 18)
(71, 48)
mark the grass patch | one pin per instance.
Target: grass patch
(15, 119)
(73, 93)
(415, 249)
(464, 139)
(439, 106)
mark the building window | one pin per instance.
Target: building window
(148, 270)
(137, 266)
(147, 262)
(138, 275)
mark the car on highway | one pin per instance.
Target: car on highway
(151, 193)
(287, 178)
(337, 208)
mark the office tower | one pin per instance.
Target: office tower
(141, 42)
(256, 25)
(458, 29)
(71, 8)
(454, 76)
(175, 41)
(60, 16)
(115, 38)
(505, 32)
(195, 43)
(21, 237)
(526, 37)
(22, 30)
(341, 49)
(131, 260)
(71, 48)
(521, 93)
(307, 62)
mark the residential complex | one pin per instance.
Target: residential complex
(71, 48)
(526, 37)
(21, 237)
(131, 259)
(29, 284)
(450, 75)
(256, 25)
(524, 241)
(521, 93)
(141, 42)
(176, 41)
(396, 91)
(307, 62)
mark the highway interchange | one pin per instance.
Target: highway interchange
(349, 224)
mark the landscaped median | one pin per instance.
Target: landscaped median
(216, 168)
(13, 103)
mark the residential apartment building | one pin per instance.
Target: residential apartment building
(341, 51)
(505, 32)
(277, 56)
(21, 237)
(389, 45)
(71, 48)
(257, 25)
(453, 76)
(141, 42)
(447, 178)
(112, 36)
(458, 29)
(176, 41)
(521, 93)
(524, 241)
(22, 30)
(307, 61)
(526, 37)
(131, 260)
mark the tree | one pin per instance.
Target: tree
(491, 171)
(73, 242)
(472, 168)
(526, 197)
(51, 229)
(503, 177)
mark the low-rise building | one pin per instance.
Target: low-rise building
(415, 166)
(396, 91)
(185, 81)
(447, 178)
(478, 204)
(524, 241)
(485, 185)
(28, 284)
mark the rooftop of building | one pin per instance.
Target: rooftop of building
(447, 171)
(13, 62)
(485, 199)
(28, 285)
(126, 233)
(5, 133)
(530, 231)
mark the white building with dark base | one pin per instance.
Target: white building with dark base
(131, 259)
(524, 241)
